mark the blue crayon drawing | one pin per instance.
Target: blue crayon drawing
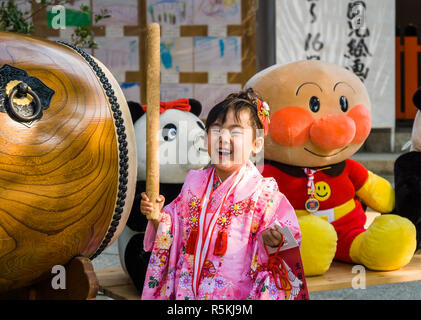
(217, 54)
(221, 47)
(166, 57)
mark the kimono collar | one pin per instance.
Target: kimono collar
(245, 187)
(248, 184)
(333, 170)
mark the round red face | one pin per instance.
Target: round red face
(319, 112)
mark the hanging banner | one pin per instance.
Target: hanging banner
(358, 35)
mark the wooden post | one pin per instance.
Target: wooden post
(410, 70)
(152, 116)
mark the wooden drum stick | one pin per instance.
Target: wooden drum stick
(152, 117)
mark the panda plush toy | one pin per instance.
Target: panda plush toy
(182, 148)
(408, 175)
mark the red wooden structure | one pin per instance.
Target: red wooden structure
(408, 75)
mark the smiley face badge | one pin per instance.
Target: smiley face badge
(322, 191)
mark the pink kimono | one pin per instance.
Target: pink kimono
(229, 260)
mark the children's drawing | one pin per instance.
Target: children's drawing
(170, 92)
(118, 54)
(217, 12)
(177, 54)
(213, 54)
(131, 91)
(170, 12)
(122, 12)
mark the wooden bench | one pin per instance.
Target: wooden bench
(116, 284)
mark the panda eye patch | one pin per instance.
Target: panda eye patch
(169, 132)
(200, 123)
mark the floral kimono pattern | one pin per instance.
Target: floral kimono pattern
(237, 272)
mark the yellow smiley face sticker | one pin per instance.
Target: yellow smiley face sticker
(322, 191)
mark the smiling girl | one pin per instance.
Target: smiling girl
(208, 243)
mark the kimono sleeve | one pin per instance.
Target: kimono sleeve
(164, 224)
(170, 212)
(165, 247)
(276, 209)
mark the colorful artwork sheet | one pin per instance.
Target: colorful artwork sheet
(217, 12)
(122, 12)
(118, 55)
(170, 92)
(177, 54)
(131, 91)
(217, 54)
(170, 12)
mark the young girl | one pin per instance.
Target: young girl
(208, 244)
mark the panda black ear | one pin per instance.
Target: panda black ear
(196, 107)
(416, 99)
(136, 110)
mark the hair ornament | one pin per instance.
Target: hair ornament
(263, 114)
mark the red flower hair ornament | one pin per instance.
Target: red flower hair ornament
(263, 114)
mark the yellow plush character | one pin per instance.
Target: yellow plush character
(319, 117)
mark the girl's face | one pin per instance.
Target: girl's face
(230, 144)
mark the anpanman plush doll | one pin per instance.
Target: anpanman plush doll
(319, 117)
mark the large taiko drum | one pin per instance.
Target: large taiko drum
(68, 158)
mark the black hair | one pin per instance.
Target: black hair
(416, 99)
(242, 100)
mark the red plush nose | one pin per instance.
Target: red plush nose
(333, 131)
(290, 126)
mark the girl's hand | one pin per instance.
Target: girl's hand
(272, 237)
(146, 207)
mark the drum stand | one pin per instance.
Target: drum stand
(80, 283)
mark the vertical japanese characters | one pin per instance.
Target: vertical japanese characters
(357, 51)
(313, 43)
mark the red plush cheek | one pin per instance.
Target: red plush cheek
(290, 126)
(362, 118)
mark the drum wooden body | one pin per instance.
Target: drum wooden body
(67, 178)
